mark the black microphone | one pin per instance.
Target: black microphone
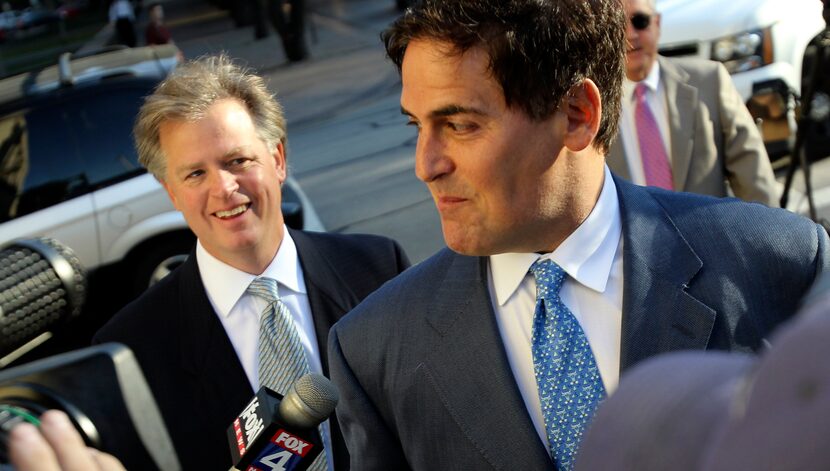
(42, 285)
(280, 433)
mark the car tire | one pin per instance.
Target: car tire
(157, 259)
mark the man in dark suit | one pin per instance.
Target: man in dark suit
(709, 140)
(494, 353)
(214, 137)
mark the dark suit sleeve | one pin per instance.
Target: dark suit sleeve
(372, 445)
(745, 157)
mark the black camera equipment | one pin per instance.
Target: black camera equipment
(812, 141)
(103, 392)
(42, 286)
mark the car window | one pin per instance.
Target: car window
(38, 161)
(66, 147)
(102, 122)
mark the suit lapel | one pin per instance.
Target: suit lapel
(658, 313)
(682, 106)
(206, 351)
(328, 295)
(471, 373)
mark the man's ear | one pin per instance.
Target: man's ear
(583, 107)
(280, 163)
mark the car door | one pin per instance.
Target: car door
(124, 195)
(44, 190)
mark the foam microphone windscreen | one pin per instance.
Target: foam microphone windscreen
(42, 285)
(309, 401)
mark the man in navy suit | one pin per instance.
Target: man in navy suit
(214, 136)
(516, 104)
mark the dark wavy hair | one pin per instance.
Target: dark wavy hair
(538, 49)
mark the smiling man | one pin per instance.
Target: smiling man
(252, 289)
(683, 124)
(495, 352)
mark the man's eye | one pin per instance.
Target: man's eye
(194, 174)
(413, 123)
(238, 161)
(461, 127)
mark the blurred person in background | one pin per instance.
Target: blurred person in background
(684, 126)
(156, 32)
(288, 19)
(122, 19)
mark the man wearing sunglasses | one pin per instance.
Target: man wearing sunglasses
(684, 126)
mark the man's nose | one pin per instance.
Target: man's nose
(224, 184)
(431, 158)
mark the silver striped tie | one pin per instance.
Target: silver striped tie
(282, 358)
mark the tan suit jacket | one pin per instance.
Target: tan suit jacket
(713, 137)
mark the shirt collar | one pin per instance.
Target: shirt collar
(652, 81)
(225, 284)
(586, 255)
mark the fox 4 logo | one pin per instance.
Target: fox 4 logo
(288, 453)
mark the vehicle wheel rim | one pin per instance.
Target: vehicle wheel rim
(165, 267)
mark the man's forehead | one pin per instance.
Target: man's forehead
(445, 53)
(439, 78)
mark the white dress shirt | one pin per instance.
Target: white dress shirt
(656, 99)
(592, 258)
(240, 311)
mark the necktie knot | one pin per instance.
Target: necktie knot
(640, 92)
(265, 288)
(549, 278)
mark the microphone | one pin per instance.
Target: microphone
(42, 285)
(280, 433)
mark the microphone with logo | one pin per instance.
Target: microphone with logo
(275, 433)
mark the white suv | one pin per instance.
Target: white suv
(761, 43)
(68, 168)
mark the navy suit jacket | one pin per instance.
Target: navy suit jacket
(189, 362)
(424, 378)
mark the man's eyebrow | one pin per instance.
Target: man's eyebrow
(448, 110)
(235, 151)
(197, 165)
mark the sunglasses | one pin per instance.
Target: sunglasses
(640, 21)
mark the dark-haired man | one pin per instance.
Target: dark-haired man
(494, 353)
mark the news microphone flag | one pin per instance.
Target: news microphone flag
(261, 441)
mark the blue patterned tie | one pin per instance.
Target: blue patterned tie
(570, 386)
(282, 357)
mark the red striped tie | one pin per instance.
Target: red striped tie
(653, 152)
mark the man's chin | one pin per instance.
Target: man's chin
(464, 243)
